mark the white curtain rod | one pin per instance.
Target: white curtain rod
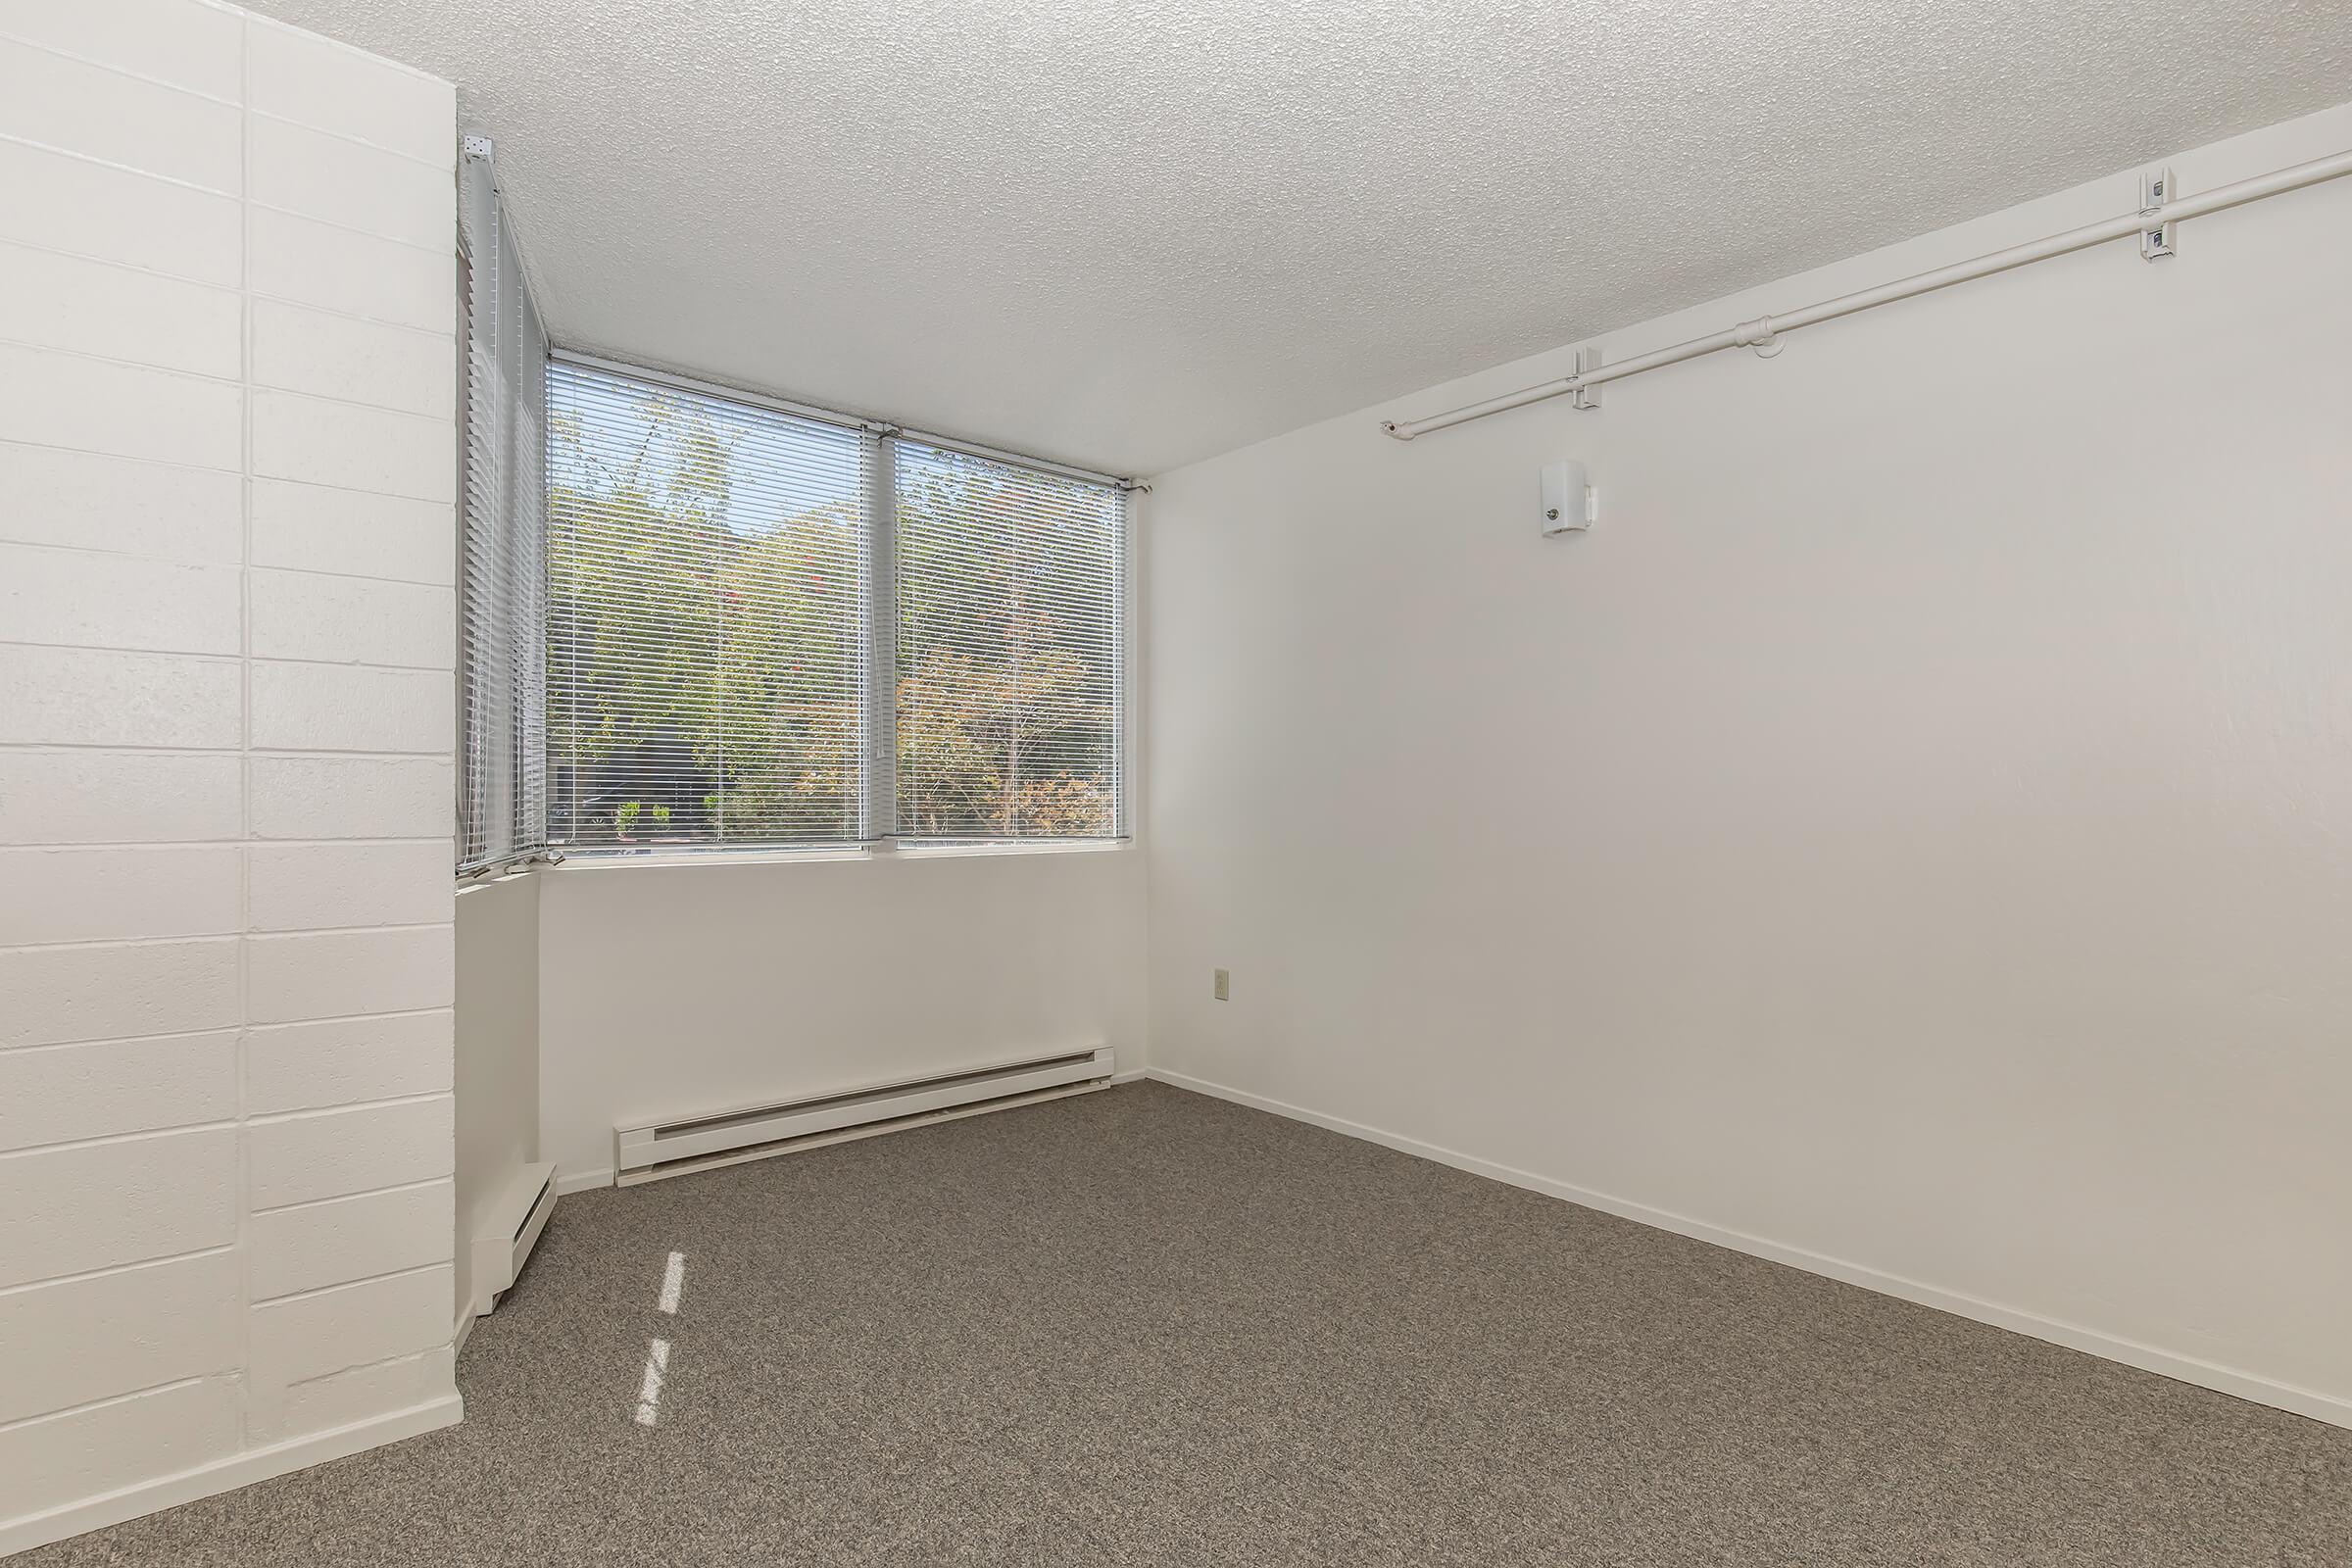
(1762, 333)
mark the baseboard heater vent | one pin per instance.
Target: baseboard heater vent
(758, 1132)
(510, 1229)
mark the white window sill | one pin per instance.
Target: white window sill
(483, 884)
(593, 861)
(950, 851)
(596, 860)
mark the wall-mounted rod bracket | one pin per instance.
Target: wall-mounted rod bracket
(1759, 334)
(2156, 234)
(1588, 360)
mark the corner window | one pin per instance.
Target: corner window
(768, 630)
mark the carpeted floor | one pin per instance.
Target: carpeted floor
(1147, 1327)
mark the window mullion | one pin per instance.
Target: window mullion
(719, 678)
(1122, 652)
(878, 815)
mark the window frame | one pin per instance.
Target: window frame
(878, 711)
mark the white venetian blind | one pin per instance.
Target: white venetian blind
(501, 776)
(1008, 646)
(706, 671)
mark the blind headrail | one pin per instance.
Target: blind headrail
(705, 387)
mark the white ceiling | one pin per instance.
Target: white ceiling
(1130, 233)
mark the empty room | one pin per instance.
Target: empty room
(1054, 783)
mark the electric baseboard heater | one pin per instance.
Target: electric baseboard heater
(511, 1228)
(759, 1132)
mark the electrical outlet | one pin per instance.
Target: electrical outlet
(1224, 985)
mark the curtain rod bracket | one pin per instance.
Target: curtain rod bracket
(1588, 360)
(1759, 335)
(2156, 187)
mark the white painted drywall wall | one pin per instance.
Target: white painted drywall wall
(1913, 827)
(673, 990)
(227, 446)
(497, 1075)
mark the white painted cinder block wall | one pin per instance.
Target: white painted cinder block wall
(1908, 836)
(228, 447)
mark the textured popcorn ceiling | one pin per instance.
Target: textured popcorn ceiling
(1130, 233)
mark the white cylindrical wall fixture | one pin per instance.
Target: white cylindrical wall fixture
(1570, 503)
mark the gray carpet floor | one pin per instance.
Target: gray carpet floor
(1147, 1327)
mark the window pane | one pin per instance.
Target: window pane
(705, 632)
(1009, 650)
